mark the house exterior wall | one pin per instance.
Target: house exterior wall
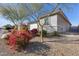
(63, 25)
(55, 23)
(33, 26)
(52, 24)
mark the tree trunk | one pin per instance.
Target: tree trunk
(37, 26)
(41, 36)
(41, 29)
(18, 27)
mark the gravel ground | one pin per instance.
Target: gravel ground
(54, 46)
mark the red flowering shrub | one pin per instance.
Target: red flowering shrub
(19, 39)
(34, 32)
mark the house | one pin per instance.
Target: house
(75, 29)
(56, 21)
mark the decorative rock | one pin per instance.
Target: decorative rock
(4, 36)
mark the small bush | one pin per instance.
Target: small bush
(55, 33)
(19, 39)
(7, 27)
(44, 32)
(34, 32)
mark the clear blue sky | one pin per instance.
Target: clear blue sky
(72, 14)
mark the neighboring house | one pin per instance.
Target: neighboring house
(75, 29)
(56, 21)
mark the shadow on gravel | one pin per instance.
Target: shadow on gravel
(37, 48)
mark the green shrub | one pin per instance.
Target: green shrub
(7, 27)
(55, 33)
(44, 33)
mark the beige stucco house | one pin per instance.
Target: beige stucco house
(56, 21)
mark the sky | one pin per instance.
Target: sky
(72, 14)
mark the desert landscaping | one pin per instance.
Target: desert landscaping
(38, 29)
(54, 46)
